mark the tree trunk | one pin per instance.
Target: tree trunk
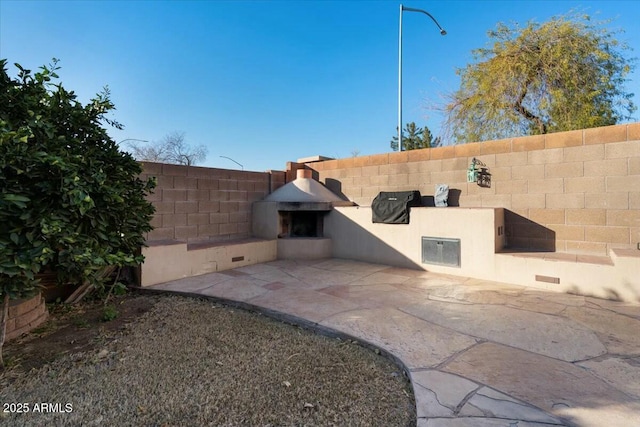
(4, 315)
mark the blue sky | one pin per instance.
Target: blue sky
(266, 82)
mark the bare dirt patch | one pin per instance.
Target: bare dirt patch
(71, 329)
(170, 360)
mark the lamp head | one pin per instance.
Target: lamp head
(443, 32)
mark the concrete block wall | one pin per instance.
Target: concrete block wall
(197, 204)
(576, 191)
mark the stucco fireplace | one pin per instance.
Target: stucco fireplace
(294, 214)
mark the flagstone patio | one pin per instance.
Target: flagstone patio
(478, 353)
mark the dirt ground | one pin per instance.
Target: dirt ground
(71, 329)
(168, 360)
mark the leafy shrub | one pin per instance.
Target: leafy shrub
(109, 313)
(70, 200)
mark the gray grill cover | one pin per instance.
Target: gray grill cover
(393, 207)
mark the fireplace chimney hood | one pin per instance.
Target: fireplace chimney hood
(305, 194)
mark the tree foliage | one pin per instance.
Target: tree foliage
(172, 149)
(414, 138)
(565, 74)
(70, 200)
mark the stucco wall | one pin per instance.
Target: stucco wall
(196, 204)
(576, 191)
(164, 262)
(479, 231)
(354, 236)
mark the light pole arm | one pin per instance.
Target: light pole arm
(229, 158)
(132, 139)
(411, 9)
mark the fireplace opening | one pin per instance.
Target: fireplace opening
(301, 224)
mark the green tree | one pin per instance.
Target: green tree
(414, 138)
(565, 74)
(70, 200)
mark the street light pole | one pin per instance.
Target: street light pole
(442, 32)
(400, 83)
